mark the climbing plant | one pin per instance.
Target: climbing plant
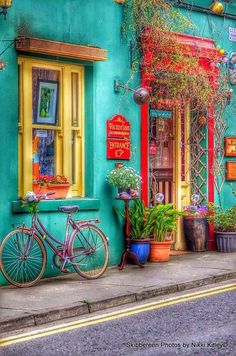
(173, 71)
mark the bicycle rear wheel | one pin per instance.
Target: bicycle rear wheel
(22, 258)
(89, 251)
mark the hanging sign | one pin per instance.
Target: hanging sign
(232, 34)
(118, 127)
(118, 149)
(118, 138)
(162, 114)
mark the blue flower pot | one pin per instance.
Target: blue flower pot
(141, 248)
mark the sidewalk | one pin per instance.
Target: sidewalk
(68, 295)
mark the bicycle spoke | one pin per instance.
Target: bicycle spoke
(89, 253)
(23, 258)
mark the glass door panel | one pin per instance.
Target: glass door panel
(161, 157)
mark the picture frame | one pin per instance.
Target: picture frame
(47, 102)
(230, 146)
(230, 170)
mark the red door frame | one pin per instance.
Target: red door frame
(210, 52)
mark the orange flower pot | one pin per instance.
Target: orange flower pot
(60, 190)
(160, 251)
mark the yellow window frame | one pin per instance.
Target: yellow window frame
(64, 130)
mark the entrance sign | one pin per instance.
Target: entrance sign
(118, 138)
(118, 149)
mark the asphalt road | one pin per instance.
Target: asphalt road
(203, 326)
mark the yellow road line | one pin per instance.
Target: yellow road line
(113, 315)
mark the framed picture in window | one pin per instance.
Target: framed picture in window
(230, 146)
(47, 102)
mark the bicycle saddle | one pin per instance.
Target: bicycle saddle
(68, 208)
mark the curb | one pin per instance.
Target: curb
(84, 308)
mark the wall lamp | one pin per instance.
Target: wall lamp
(5, 4)
(141, 95)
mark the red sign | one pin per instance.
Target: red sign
(118, 149)
(118, 127)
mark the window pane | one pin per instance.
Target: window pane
(74, 99)
(43, 153)
(73, 157)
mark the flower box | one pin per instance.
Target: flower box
(60, 190)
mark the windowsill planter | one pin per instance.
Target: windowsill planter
(60, 190)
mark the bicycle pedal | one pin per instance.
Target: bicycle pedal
(65, 270)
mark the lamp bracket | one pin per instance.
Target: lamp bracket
(118, 85)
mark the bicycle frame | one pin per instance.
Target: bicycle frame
(38, 228)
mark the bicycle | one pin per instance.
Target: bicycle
(23, 256)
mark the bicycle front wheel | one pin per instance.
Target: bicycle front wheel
(22, 258)
(89, 251)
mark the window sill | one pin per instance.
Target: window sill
(52, 205)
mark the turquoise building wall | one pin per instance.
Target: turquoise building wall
(83, 22)
(97, 23)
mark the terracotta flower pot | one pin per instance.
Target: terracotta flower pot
(60, 190)
(160, 251)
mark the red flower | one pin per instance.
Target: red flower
(45, 179)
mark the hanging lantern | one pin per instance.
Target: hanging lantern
(217, 7)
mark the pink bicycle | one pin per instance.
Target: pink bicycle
(23, 256)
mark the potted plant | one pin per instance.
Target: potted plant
(125, 179)
(195, 226)
(57, 184)
(139, 229)
(225, 228)
(162, 222)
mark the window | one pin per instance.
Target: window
(51, 122)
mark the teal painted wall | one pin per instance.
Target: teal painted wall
(97, 23)
(85, 22)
